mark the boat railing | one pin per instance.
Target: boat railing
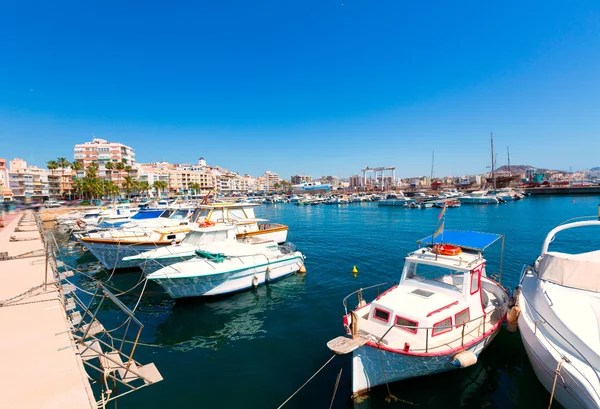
(543, 322)
(359, 294)
(414, 329)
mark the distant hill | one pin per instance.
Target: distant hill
(596, 168)
(516, 169)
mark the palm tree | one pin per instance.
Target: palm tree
(52, 166)
(128, 184)
(76, 167)
(144, 187)
(120, 166)
(159, 185)
(109, 166)
(195, 187)
(63, 163)
(92, 171)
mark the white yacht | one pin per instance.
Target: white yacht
(395, 199)
(479, 197)
(559, 321)
(223, 264)
(443, 313)
(113, 245)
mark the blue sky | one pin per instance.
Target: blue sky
(317, 87)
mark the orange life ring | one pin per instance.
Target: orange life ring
(81, 223)
(447, 250)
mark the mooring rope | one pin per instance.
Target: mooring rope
(556, 375)
(337, 383)
(305, 383)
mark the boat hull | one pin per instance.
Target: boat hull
(571, 390)
(367, 364)
(111, 255)
(394, 202)
(227, 281)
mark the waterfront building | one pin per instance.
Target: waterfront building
(28, 182)
(272, 180)
(355, 181)
(298, 179)
(60, 181)
(102, 152)
(5, 190)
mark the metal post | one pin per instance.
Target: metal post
(426, 340)
(462, 337)
(501, 257)
(46, 272)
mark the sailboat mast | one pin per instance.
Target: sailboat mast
(432, 161)
(493, 161)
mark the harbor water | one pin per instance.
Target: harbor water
(255, 348)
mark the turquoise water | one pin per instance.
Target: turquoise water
(255, 348)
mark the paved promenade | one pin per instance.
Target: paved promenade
(33, 327)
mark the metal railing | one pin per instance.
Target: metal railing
(414, 329)
(359, 293)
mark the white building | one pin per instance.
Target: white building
(101, 152)
(28, 182)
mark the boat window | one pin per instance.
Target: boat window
(195, 215)
(216, 215)
(179, 215)
(436, 275)
(236, 214)
(381, 315)
(475, 280)
(462, 317)
(193, 237)
(167, 213)
(171, 236)
(442, 327)
(407, 325)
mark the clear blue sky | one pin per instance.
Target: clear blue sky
(318, 87)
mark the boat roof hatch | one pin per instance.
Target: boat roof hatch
(470, 240)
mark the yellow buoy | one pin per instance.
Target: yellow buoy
(302, 269)
(354, 271)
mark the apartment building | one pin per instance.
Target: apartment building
(28, 182)
(101, 152)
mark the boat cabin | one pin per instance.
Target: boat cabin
(443, 299)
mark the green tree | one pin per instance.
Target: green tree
(76, 167)
(195, 187)
(62, 163)
(52, 166)
(109, 166)
(144, 187)
(159, 185)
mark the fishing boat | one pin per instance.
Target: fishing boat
(559, 302)
(111, 246)
(443, 313)
(226, 266)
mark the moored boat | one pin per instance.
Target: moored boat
(443, 313)
(226, 266)
(559, 302)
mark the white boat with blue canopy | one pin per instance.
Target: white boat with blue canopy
(442, 314)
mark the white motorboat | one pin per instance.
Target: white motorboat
(395, 199)
(559, 321)
(479, 197)
(111, 246)
(225, 266)
(508, 195)
(443, 313)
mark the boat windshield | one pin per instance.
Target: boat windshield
(179, 215)
(436, 275)
(198, 237)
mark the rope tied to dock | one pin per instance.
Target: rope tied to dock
(305, 383)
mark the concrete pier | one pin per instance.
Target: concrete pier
(35, 373)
